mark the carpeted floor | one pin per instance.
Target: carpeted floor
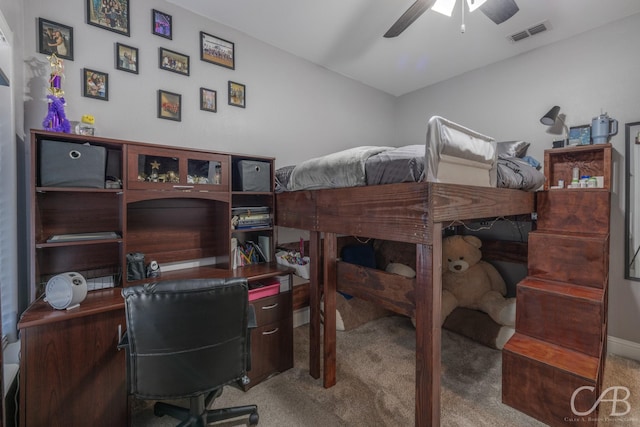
(376, 385)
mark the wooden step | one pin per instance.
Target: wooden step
(540, 378)
(578, 258)
(574, 210)
(568, 315)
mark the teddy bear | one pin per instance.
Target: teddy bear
(399, 257)
(468, 281)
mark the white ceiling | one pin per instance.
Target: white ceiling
(345, 36)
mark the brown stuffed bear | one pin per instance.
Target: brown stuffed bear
(469, 282)
(473, 324)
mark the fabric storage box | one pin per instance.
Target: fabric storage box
(253, 175)
(64, 164)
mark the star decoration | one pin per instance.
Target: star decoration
(155, 165)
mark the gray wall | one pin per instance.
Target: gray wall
(294, 109)
(507, 99)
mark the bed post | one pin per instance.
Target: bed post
(428, 333)
(329, 276)
(314, 304)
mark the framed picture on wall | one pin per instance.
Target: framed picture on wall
(126, 58)
(161, 24)
(55, 38)
(237, 94)
(169, 105)
(95, 84)
(174, 61)
(208, 100)
(217, 51)
(112, 15)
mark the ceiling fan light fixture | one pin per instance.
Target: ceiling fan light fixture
(474, 4)
(444, 7)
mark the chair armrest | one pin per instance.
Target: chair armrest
(124, 341)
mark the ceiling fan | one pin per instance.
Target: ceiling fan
(497, 10)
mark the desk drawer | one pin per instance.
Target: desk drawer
(271, 350)
(272, 309)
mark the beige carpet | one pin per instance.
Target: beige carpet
(376, 385)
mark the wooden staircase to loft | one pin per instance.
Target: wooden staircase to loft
(561, 306)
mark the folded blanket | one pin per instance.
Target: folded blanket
(342, 169)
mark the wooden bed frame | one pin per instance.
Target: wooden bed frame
(408, 212)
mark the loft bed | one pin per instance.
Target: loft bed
(413, 212)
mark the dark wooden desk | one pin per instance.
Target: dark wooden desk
(72, 373)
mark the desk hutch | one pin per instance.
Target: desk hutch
(71, 371)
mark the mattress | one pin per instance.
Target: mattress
(452, 154)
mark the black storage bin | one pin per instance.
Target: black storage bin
(65, 164)
(253, 175)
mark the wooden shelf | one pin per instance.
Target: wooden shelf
(591, 160)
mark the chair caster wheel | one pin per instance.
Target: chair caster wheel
(253, 419)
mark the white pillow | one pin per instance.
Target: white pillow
(401, 269)
(512, 148)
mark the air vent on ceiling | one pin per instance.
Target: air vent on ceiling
(529, 32)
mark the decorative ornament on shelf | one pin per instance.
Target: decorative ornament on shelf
(56, 119)
(155, 166)
(85, 127)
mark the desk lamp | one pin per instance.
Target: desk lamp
(551, 119)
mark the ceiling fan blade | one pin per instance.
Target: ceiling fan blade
(407, 18)
(499, 10)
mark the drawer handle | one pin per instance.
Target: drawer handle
(269, 307)
(183, 187)
(271, 332)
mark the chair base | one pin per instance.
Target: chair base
(198, 416)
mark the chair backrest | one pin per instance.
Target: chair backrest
(186, 337)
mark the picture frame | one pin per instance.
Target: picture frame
(127, 58)
(173, 61)
(208, 100)
(169, 105)
(95, 84)
(112, 15)
(217, 51)
(161, 24)
(54, 37)
(237, 94)
(580, 135)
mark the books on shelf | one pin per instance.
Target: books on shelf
(248, 217)
(264, 242)
(246, 253)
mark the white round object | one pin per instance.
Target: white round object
(401, 269)
(66, 290)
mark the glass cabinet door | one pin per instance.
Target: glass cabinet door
(166, 169)
(204, 172)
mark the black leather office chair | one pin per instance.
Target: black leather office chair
(187, 339)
